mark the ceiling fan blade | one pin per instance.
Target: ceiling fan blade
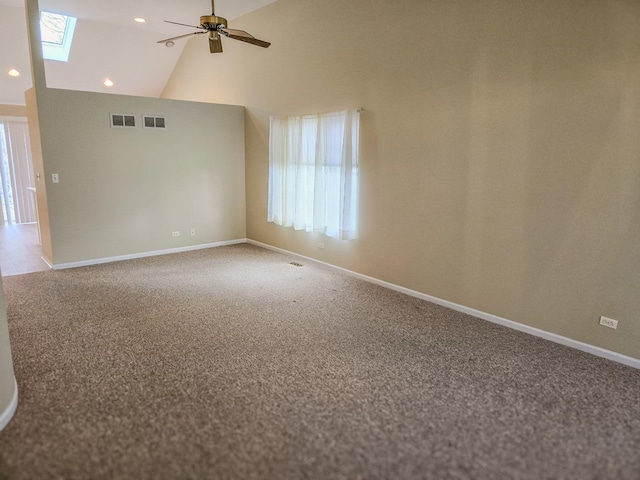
(252, 40)
(179, 36)
(243, 36)
(233, 31)
(183, 24)
(215, 44)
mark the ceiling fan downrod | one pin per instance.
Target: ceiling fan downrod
(212, 22)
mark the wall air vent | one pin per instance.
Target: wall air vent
(122, 120)
(152, 121)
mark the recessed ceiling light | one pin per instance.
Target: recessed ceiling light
(170, 43)
(108, 83)
(13, 73)
(139, 20)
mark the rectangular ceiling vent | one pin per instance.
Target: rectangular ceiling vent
(153, 121)
(123, 120)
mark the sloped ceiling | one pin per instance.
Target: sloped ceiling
(108, 43)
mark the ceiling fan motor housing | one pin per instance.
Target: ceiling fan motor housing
(211, 22)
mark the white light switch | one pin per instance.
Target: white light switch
(55, 178)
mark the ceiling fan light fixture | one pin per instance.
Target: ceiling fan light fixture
(13, 73)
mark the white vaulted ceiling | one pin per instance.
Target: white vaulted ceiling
(107, 43)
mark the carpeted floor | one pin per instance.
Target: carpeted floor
(231, 363)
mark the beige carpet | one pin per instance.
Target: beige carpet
(231, 363)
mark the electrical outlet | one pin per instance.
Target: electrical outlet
(175, 234)
(321, 245)
(55, 178)
(609, 322)
(193, 232)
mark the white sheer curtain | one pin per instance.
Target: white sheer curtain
(16, 172)
(313, 173)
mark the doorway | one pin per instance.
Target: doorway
(20, 250)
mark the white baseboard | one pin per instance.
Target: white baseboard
(47, 262)
(97, 261)
(7, 415)
(569, 342)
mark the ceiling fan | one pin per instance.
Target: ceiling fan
(216, 26)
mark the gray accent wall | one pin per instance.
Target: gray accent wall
(124, 191)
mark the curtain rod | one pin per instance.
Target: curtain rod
(359, 110)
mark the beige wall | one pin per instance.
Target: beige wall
(500, 146)
(124, 191)
(7, 382)
(13, 111)
(38, 171)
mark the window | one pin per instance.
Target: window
(57, 34)
(313, 173)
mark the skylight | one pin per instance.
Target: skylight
(57, 35)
